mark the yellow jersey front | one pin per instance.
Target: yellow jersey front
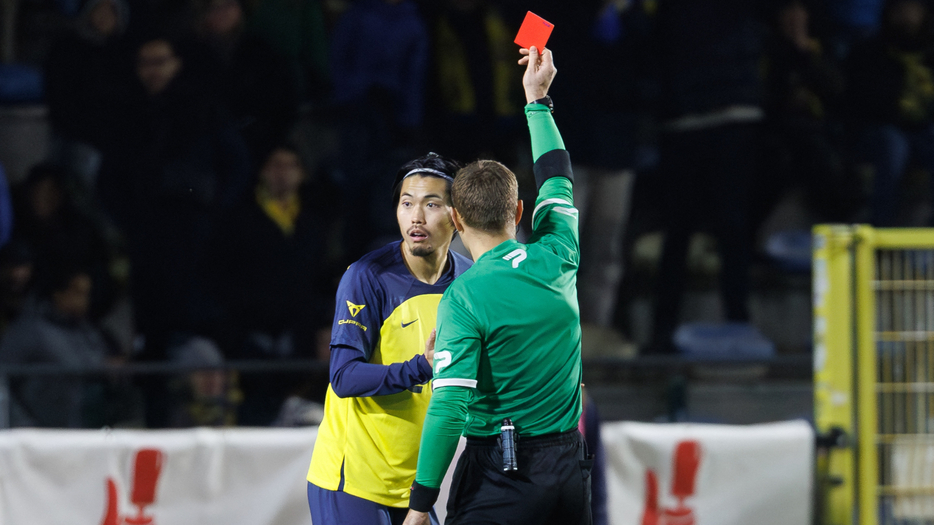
(368, 446)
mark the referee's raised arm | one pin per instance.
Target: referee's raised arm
(554, 218)
(547, 145)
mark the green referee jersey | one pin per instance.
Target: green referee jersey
(509, 337)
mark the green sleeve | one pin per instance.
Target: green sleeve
(545, 136)
(444, 424)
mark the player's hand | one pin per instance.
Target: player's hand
(416, 518)
(540, 71)
(430, 349)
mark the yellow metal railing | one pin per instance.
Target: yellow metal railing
(874, 372)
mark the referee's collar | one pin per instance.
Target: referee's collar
(500, 250)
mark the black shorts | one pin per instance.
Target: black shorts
(551, 486)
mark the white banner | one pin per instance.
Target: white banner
(679, 474)
(693, 474)
(185, 477)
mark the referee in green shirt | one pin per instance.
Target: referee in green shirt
(508, 344)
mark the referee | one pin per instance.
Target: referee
(508, 345)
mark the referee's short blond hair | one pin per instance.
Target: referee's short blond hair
(485, 194)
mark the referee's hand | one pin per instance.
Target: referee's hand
(430, 349)
(539, 72)
(415, 517)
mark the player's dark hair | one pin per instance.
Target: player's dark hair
(485, 194)
(432, 161)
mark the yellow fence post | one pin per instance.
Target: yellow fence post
(833, 363)
(864, 309)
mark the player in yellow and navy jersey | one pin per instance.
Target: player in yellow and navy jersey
(364, 457)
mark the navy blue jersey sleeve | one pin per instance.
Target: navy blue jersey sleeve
(358, 311)
(351, 375)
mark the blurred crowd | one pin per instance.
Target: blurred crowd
(216, 164)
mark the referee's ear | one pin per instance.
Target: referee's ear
(458, 221)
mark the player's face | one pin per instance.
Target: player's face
(423, 215)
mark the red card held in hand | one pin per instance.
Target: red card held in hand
(535, 31)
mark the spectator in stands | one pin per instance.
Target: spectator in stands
(802, 85)
(711, 101)
(891, 96)
(57, 332)
(85, 76)
(254, 82)
(203, 397)
(851, 22)
(269, 269)
(296, 30)
(177, 166)
(49, 221)
(379, 56)
(606, 119)
(477, 95)
(17, 267)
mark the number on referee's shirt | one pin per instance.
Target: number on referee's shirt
(516, 256)
(441, 360)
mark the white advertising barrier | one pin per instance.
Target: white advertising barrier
(656, 475)
(185, 477)
(698, 474)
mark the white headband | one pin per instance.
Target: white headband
(441, 174)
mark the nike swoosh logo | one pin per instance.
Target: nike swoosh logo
(407, 324)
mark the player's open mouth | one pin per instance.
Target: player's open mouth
(418, 236)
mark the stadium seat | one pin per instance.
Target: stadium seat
(790, 250)
(722, 341)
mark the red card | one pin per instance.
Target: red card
(535, 31)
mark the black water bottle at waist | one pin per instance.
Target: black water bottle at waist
(508, 441)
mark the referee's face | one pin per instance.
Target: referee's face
(423, 215)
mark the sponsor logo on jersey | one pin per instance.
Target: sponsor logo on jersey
(355, 308)
(408, 323)
(351, 321)
(516, 256)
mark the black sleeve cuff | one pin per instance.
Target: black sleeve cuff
(423, 498)
(555, 163)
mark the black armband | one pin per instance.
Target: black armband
(423, 498)
(555, 163)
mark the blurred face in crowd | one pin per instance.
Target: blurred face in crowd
(793, 21)
(46, 198)
(209, 384)
(15, 278)
(104, 17)
(907, 16)
(423, 215)
(75, 299)
(223, 17)
(157, 65)
(282, 174)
